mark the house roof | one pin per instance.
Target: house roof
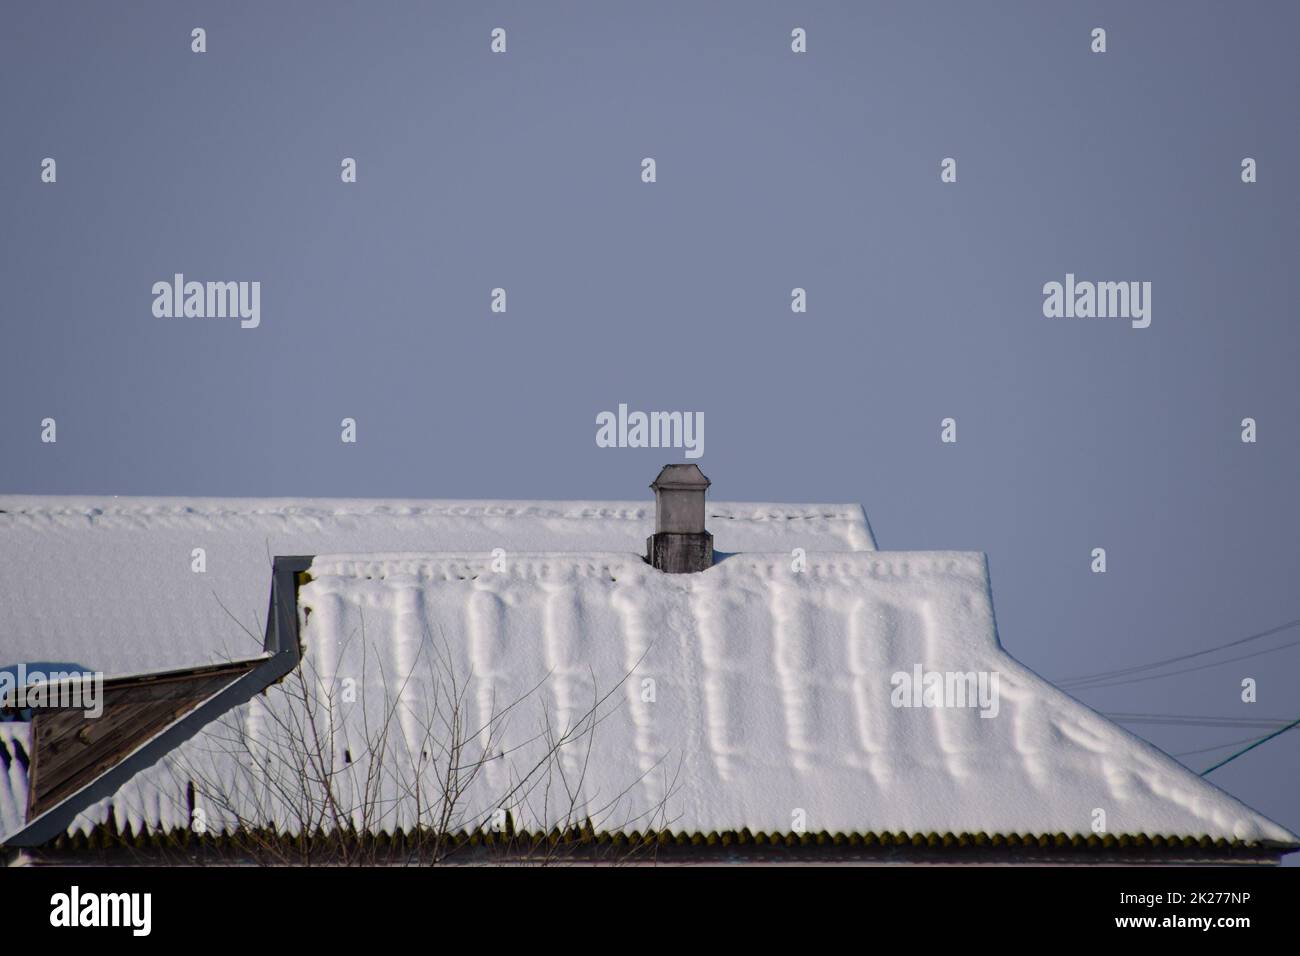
(751, 697)
(108, 583)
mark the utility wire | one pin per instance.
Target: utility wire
(1125, 671)
(1121, 676)
(1262, 740)
(1188, 720)
(1206, 750)
(1184, 670)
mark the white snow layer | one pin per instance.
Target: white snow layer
(747, 696)
(109, 583)
(15, 745)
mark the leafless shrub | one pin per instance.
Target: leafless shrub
(286, 780)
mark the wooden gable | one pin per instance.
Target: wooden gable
(69, 749)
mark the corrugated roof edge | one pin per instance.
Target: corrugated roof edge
(577, 840)
(282, 649)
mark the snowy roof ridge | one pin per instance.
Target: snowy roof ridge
(540, 564)
(97, 507)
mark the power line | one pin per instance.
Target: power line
(1206, 750)
(1125, 671)
(1262, 740)
(1184, 670)
(1123, 675)
(1190, 720)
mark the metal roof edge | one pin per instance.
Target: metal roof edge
(900, 846)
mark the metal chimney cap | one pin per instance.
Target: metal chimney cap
(680, 478)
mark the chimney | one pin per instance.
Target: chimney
(680, 544)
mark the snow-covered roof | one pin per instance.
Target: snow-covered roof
(762, 694)
(109, 583)
(749, 696)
